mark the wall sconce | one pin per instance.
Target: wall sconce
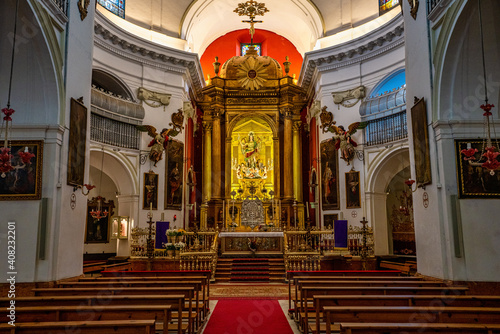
(119, 227)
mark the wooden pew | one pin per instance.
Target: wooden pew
(160, 313)
(398, 300)
(290, 276)
(306, 292)
(398, 328)
(83, 327)
(410, 314)
(405, 268)
(205, 284)
(117, 266)
(198, 285)
(176, 303)
(188, 291)
(93, 267)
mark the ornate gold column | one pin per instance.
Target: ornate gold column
(207, 163)
(216, 175)
(287, 156)
(297, 162)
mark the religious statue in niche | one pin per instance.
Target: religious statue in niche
(343, 140)
(159, 142)
(252, 166)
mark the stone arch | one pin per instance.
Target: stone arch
(237, 119)
(104, 78)
(381, 171)
(117, 167)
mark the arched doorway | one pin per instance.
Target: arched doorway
(384, 195)
(118, 182)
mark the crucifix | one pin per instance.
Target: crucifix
(251, 9)
(252, 28)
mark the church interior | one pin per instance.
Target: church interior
(231, 166)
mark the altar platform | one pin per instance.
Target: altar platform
(238, 243)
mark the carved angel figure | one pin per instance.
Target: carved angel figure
(343, 140)
(159, 141)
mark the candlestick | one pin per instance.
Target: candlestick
(307, 210)
(364, 209)
(341, 216)
(151, 208)
(194, 210)
(162, 216)
(279, 216)
(224, 213)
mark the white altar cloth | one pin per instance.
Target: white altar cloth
(251, 234)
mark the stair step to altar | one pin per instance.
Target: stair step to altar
(250, 270)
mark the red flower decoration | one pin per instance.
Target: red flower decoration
(89, 187)
(8, 112)
(487, 108)
(469, 154)
(5, 157)
(26, 157)
(491, 164)
(491, 153)
(409, 182)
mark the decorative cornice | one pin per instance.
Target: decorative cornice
(369, 46)
(130, 49)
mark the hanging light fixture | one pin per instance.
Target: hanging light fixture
(98, 213)
(5, 151)
(489, 151)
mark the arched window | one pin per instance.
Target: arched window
(393, 81)
(116, 7)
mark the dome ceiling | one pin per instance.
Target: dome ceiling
(200, 22)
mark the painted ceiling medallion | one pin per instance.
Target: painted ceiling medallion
(252, 74)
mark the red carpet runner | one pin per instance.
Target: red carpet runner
(248, 316)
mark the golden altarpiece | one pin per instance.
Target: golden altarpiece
(252, 143)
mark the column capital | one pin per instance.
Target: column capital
(296, 126)
(208, 126)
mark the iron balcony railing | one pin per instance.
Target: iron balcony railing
(386, 129)
(109, 131)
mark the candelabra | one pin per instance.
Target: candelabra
(150, 249)
(364, 248)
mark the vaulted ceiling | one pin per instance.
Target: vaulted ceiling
(200, 22)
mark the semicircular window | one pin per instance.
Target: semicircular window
(385, 110)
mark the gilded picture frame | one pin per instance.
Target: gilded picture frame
(352, 194)
(174, 167)
(77, 140)
(98, 230)
(24, 182)
(150, 191)
(329, 176)
(421, 151)
(474, 181)
(329, 219)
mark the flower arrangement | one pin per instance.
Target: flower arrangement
(234, 224)
(169, 246)
(179, 245)
(173, 232)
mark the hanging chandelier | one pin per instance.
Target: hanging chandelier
(6, 156)
(488, 159)
(98, 212)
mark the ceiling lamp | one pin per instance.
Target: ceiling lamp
(489, 151)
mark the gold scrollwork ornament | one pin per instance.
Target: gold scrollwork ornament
(413, 8)
(83, 6)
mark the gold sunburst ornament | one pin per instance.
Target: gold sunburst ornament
(252, 74)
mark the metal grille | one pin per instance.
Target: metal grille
(111, 132)
(387, 129)
(62, 4)
(432, 4)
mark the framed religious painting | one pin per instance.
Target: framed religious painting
(150, 191)
(353, 198)
(21, 175)
(329, 219)
(329, 176)
(421, 143)
(77, 139)
(98, 230)
(474, 181)
(174, 175)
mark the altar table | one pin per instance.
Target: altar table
(237, 243)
